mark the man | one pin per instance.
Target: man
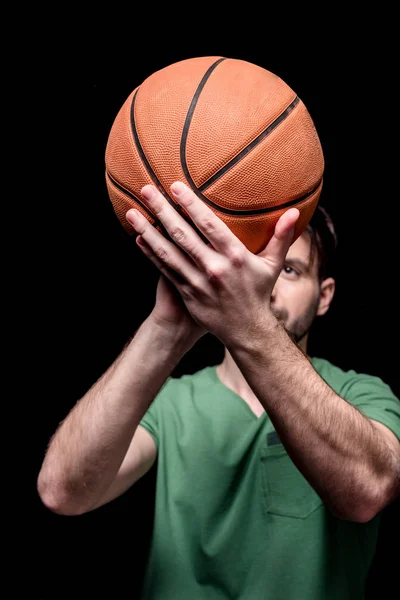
(274, 466)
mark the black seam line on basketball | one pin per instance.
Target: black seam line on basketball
(189, 117)
(156, 221)
(236, 213)
(252, 145)
(255, 142)
(154, 177)
(144, 158)
(260, 211)
(133, 197)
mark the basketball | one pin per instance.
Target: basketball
(234, 132)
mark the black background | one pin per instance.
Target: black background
(86, 287)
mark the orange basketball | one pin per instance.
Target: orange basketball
(234, 132)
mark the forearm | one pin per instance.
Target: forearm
(331, 442)
(89, 446)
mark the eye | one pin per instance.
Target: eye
(289, 270)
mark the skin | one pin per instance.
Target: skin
(261, 307)
(297, 299)
(351, 461)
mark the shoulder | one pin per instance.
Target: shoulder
(174, 403)
(349, 382)
(202, 377)
(180, 389)
(369, 393)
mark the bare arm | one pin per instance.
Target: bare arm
(351, 461)
(140, 457)
(86, 452)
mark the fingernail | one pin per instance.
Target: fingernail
(177, 188)
(148, 192)
(131, 216)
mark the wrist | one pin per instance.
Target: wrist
(171, 333)
(252, 338)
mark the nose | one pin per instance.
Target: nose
(274, 293)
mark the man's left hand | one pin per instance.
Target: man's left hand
(225, 287)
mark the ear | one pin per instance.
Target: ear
(327, 291)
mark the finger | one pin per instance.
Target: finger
(277, 247)
(180, 231)
(213, 228)
(175, 278)
(164, 250)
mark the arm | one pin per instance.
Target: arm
(88, 449)
(345, 456)
(139, 458)
(227, 290)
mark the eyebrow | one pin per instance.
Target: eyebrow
(299, 263)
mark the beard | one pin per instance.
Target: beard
(298, 328)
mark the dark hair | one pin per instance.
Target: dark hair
(323, 241)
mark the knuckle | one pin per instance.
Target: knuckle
(236, 257)
(161, 254)
(198, 285)
(208, 226)
(194, 253)
(215, 273)
(177, 234)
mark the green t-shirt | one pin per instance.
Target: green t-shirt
(234, 517)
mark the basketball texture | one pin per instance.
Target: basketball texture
(234, 132)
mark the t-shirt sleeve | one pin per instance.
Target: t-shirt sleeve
(376, 400)
(151, 418)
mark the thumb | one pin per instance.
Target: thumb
(276, 249)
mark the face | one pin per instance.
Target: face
(298, 297)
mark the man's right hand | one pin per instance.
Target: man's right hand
(170, 311)
(99, 449)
